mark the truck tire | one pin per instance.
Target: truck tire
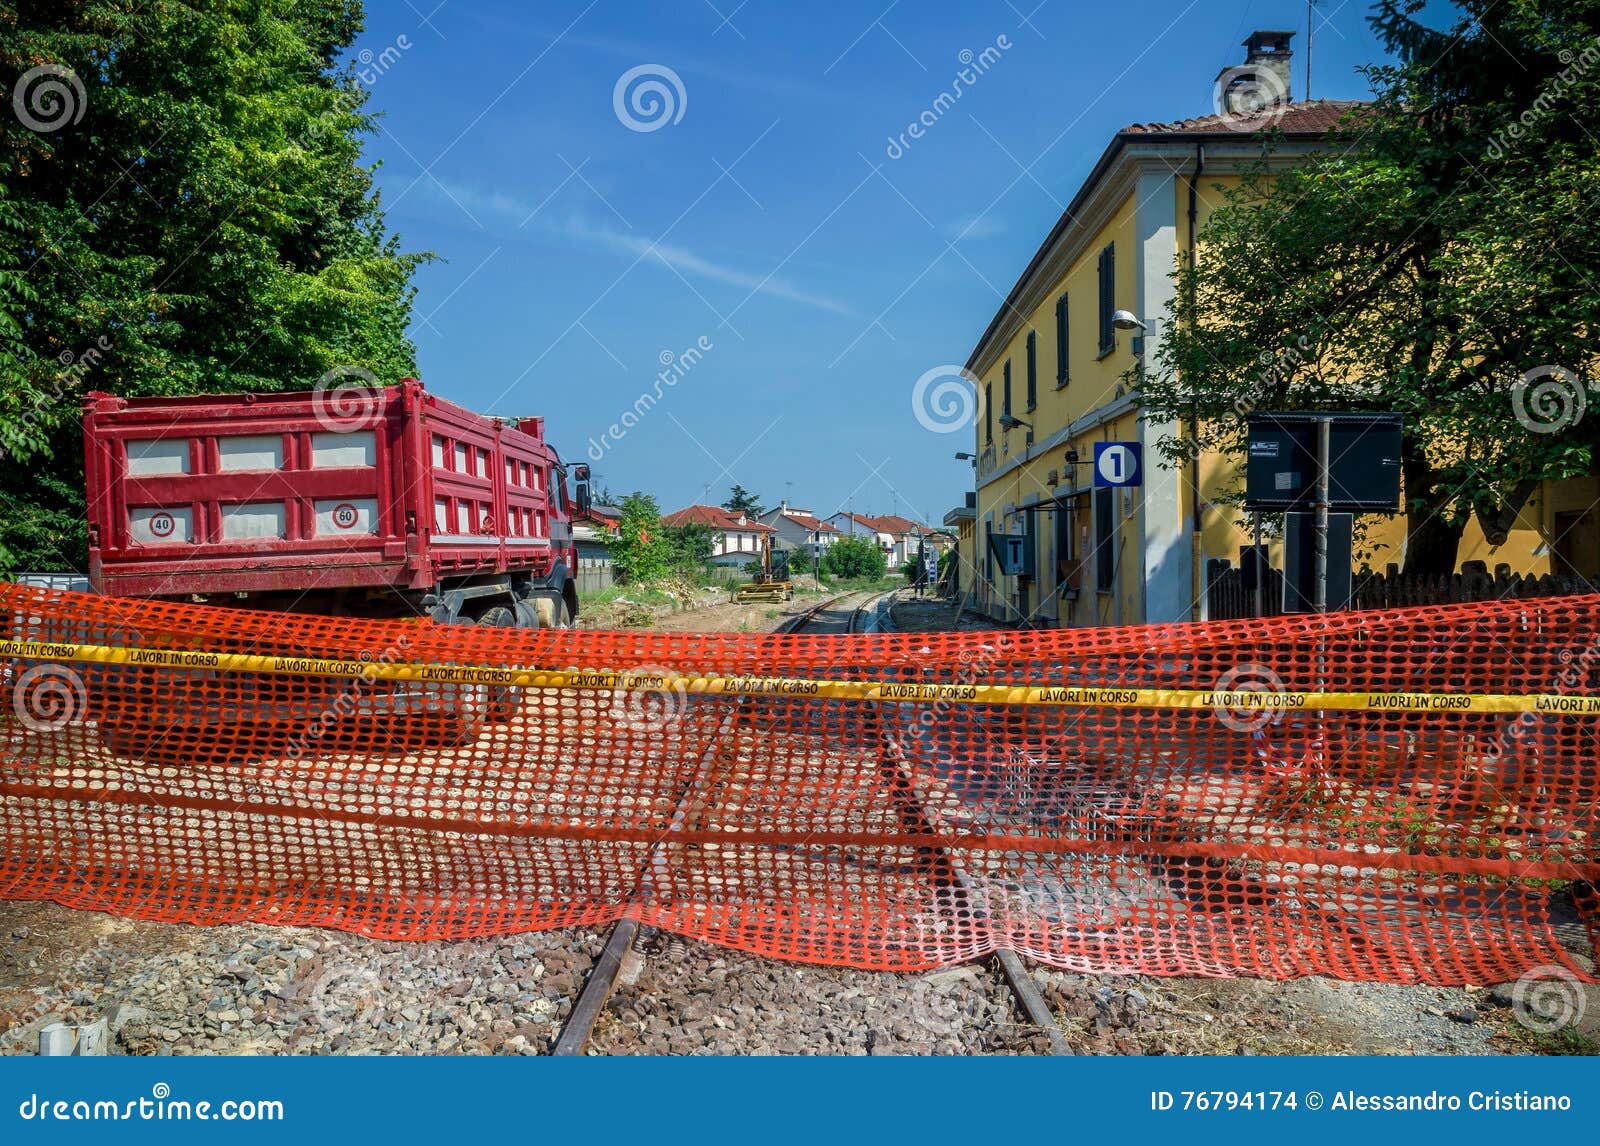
(503, 699)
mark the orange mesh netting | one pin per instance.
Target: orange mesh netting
(1165, 800)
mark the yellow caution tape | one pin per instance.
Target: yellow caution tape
(1068, 696)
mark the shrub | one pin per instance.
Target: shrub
(854, 557)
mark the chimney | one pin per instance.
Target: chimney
(1262, 81)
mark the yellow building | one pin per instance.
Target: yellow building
(1057, 375)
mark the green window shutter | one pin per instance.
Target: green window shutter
(1033, 369)
(1061, 341)
(1108, 301)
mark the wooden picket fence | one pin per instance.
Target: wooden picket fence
(1227, 597)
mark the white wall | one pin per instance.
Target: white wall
(1168, 572)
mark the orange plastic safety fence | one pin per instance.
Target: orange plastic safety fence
(1401, 839)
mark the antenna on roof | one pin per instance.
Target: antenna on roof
(1311, 31)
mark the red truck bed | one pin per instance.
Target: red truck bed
(382, 488)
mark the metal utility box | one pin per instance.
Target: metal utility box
(1300, 561)
(1363, 462)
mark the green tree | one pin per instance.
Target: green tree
(692, 546)
(741, 500)
(1435, 259)
(198, 219)
(640, 551)
(854, 558)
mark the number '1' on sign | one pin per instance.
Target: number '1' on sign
(1118, 463)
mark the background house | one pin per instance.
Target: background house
(591, 532)
(800, 531)
(897, 536)
(905, 536)
(592, 529)
(739, 536)
(862, 526)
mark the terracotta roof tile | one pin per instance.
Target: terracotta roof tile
(716, 517)
(894, 523)
(810, 521)
(1318, 115)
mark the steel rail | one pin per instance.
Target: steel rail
(602, 980)
(918, 809)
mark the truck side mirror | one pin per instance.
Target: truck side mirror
(580, 487)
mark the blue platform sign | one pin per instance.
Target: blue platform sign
(1118, 463)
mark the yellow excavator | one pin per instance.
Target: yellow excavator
(771, 581)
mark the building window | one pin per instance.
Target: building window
(1061, 341)
(1108, 299)
(1005, 383)
(1033, 369)
(988, 415)
(1105, 539)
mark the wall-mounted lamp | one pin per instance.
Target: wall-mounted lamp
(1127, 320)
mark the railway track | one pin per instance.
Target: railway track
(847, 613)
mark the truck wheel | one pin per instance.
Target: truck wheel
(503, 699)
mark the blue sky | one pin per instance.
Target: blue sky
(763, 217)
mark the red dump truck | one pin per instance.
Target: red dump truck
(352, 501)
(355, 501)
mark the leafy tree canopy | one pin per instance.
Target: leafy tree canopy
(854, 557)
(187, 212)
(1437, 258)
(741, 500)
(644, 550)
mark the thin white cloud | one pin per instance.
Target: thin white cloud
(689, 264)
(973, 227)
(519, 211)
